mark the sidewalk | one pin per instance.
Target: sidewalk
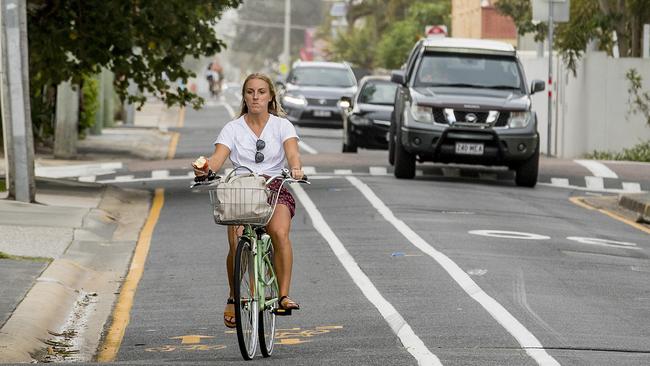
(69, 253)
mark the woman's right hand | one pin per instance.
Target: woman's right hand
(201, 166)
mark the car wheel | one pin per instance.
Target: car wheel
(404, 162)
(391, 145)
(526, 172)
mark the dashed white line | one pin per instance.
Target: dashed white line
(400, 327)
(562, 182)
(526, 339)
(342, 171)
(158, 174)
(303, 145)
(631, 187)
(596, 183)
(378, 170)
(598, 169)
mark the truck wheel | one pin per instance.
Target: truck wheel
(391, 145)
(404, 162)
(526, 172)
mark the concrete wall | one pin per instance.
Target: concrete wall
(590, 109)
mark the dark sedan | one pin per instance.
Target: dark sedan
(367, 120)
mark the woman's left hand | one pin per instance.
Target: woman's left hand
(297, 173)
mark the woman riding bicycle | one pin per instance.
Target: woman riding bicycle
(261, 139)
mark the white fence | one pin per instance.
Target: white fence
(590, 109)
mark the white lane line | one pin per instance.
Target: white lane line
(526, 339)
(561, 182)
(87, 178)
(598, 169)
(631, 187)
(378, 170)
(578, 188)
(231, 112)
(124, 178)
(158, 174)
(400, 327)
(594, 183)
(309, 170)
(342, 171)
(303, 145)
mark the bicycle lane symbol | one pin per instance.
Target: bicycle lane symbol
(188, 343)
(286, 337)
(293, 336)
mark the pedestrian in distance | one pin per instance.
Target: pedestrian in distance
(262, 140)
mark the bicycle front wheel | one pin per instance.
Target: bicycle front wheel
(267, 310)
(246, 306)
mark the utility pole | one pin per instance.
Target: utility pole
(16, 115)
(550, 76)
(285, 58)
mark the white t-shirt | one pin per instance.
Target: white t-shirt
(242, 142)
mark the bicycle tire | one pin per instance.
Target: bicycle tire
(267, 314)
(246, 306)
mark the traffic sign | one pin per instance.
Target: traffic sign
(435, 30)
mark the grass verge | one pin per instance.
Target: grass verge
(19, 257)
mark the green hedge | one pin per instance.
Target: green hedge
(639, 152)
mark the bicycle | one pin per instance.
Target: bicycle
(255, 283)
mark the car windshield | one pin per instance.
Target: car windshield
(472, 71)
(378, 92)
(321, 76)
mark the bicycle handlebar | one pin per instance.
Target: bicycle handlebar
(212, 179)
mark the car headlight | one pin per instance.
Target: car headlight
(421, 113)
(519, 119)
(359, 120)
(297, 100)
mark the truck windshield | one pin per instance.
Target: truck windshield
(471, 71)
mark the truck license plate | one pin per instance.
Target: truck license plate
(469, 148)
(322, 113)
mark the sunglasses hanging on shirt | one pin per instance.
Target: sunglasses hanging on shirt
(259, 145)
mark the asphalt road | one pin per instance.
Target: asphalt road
(469, 270)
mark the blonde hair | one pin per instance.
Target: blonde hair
(274, 107)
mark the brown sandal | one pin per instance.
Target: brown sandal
(287, 303)
(229, 315)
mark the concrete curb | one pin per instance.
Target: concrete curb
(637, 202)
(63, 316)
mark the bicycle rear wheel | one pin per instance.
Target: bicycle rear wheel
(267, 311)
(246, 306)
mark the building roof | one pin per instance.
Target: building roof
(469, 45)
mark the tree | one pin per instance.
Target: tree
(393, 25)
(260, 31)
(142, 40)
(589, 20)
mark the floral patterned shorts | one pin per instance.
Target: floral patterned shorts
(285, 198)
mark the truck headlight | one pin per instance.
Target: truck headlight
(297, 100)
(422, 113)
(359, 120)
(519, 119)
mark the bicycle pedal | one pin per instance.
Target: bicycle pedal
(282, 312)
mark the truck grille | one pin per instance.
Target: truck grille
(481, 117)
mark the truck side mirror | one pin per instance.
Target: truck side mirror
(537, 86)
(398, 77)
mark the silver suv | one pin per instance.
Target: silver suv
(312, 91)
(464, 101)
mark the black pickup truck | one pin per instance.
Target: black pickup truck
(464, 101)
